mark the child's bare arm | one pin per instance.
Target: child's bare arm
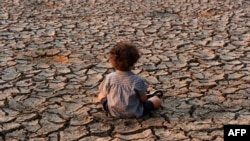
(100, 97)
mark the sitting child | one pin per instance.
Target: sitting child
(123, 93)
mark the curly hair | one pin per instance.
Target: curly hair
(124, 55)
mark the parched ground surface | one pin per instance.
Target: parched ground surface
(55, 53)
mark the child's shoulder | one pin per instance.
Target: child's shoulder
(110, 75)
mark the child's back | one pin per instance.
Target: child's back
(124, 88)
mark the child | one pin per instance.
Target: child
(123, 93)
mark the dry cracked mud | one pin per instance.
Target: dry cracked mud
(54, 54)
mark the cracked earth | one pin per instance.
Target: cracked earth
(54, 54)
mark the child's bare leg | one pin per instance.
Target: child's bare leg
(156, 101)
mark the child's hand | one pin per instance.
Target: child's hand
(143, 97)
